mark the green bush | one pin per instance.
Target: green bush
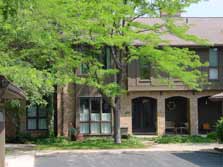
(183, 139)
(219, 130)
(23, 138)
(212, 135)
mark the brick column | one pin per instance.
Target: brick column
(126, 113)
(161, 121)
(193, 116)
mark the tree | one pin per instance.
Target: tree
(40, 41)
(116, 24)
(35, 53)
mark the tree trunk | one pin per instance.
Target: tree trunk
(117, 115)
(51, 115)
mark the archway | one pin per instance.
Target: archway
(144, 111)
(208, 114)
(177, 115)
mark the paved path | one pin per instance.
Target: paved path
(168, 155)
(131, 159)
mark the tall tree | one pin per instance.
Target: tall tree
(35, 47)
(39, 41)
(116, 25)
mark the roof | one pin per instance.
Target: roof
(217, 97)
(209, 28)
(9, 91)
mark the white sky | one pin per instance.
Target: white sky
(205, 8)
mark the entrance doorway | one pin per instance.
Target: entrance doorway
(144, 115)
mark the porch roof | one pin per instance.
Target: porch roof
(217, 97)
(9, 90)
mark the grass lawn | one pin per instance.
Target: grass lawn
(89, 143)
(168, 139)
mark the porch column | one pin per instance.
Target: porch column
(161, 121)
(2, 136)
(193, 116)
(126, 110)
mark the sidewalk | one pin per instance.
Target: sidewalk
(24, 156)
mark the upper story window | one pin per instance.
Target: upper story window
(104, 58)
(95, 116)
(107, 57)
(37, 117)
(84, 69)
(144, 69)
(213, 64)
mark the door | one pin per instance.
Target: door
(144, 115)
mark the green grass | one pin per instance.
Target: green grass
(89, 143)
(168, 139)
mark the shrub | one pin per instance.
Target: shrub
(183, 139)
(219, 130)
(212, 135)
(21, 138)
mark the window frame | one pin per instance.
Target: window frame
(144, 80)
(213, 67)
(36, 118)
(90, 121)
(107, 57)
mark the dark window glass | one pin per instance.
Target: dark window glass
(213, 64)
(107, 57)
(84, 69)
(36, 117)
(144, 69)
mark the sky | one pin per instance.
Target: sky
(205, 8)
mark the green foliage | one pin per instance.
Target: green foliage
(219, 130)
(37, 41)
(35, 55)
(183, 139)
(21, 138)
(89, 143)
(212, 135)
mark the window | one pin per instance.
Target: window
(107, 57)
(84, 69)
(36, 118)
(95, 116)
(213, 64)
(144, 69)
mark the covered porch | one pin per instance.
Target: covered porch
(177, 115)
(7, 91)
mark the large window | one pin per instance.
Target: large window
(36, 118)
(144, 69)
(95, 116)
(213, 64)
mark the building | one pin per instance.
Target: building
(149, 107)
(7, 91)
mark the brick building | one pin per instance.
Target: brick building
(149, 107)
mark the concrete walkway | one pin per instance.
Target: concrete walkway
(24, 155)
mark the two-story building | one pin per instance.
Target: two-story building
(150, 106)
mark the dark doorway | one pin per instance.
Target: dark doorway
(144, 115)
(208, 114)
(177, 115)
